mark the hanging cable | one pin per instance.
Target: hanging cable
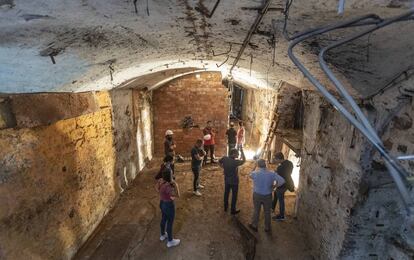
(288, 4)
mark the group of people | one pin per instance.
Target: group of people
(265, 182)
(235, 139)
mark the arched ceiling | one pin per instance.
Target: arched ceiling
(99, 44)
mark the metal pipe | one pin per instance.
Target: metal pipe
(337, 83)
(406, 157)
(337, 105)
(360, 115)
(375, 19)
(250, 33)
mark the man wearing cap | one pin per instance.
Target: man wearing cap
(263, 182)
(231, 134)
(169, 146)
(209, 142)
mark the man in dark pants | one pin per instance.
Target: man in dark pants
(209, 142)
(197, 154)
(231, 165)
(231, 134)
(285, 170)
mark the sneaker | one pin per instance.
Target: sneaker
(200, 186)
(163, 237)
(236, 212)
(279, 218)
(174, 242)
(197, 193)
(253, 227)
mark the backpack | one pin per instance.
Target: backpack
(289, 184)
(285, 170)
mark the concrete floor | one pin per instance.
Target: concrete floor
(131, 229)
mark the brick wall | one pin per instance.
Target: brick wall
(203, 98)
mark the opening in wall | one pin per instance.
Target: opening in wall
(296, 167)
(237, 95)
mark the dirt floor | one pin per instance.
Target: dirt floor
(131, 229)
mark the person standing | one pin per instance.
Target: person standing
(231, 164)
(240, 136)
(284, 169)
(231, 134)
(263, 182)
(168, 161)
(169, 147)
(169, 144)
(169, 191)
(197, 155)
(209, 142)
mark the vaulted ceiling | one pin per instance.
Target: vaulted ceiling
(81, 45)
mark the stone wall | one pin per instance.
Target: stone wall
(57, 182)
(258, 108)
(132, 119)
(28, 110)
(124, 136)
(60, 175)
(329, 178)
(379, 225)
(203, 98)
(143, 124)
(348, 205)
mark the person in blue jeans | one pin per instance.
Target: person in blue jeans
(285, 170)
(263, 182)
(169, 191)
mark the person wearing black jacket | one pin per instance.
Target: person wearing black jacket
(284, 169)
(230, 165)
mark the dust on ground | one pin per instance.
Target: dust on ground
(131, 228)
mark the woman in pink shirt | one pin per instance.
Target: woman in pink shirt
(168, 190)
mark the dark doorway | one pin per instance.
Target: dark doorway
(236, 110)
